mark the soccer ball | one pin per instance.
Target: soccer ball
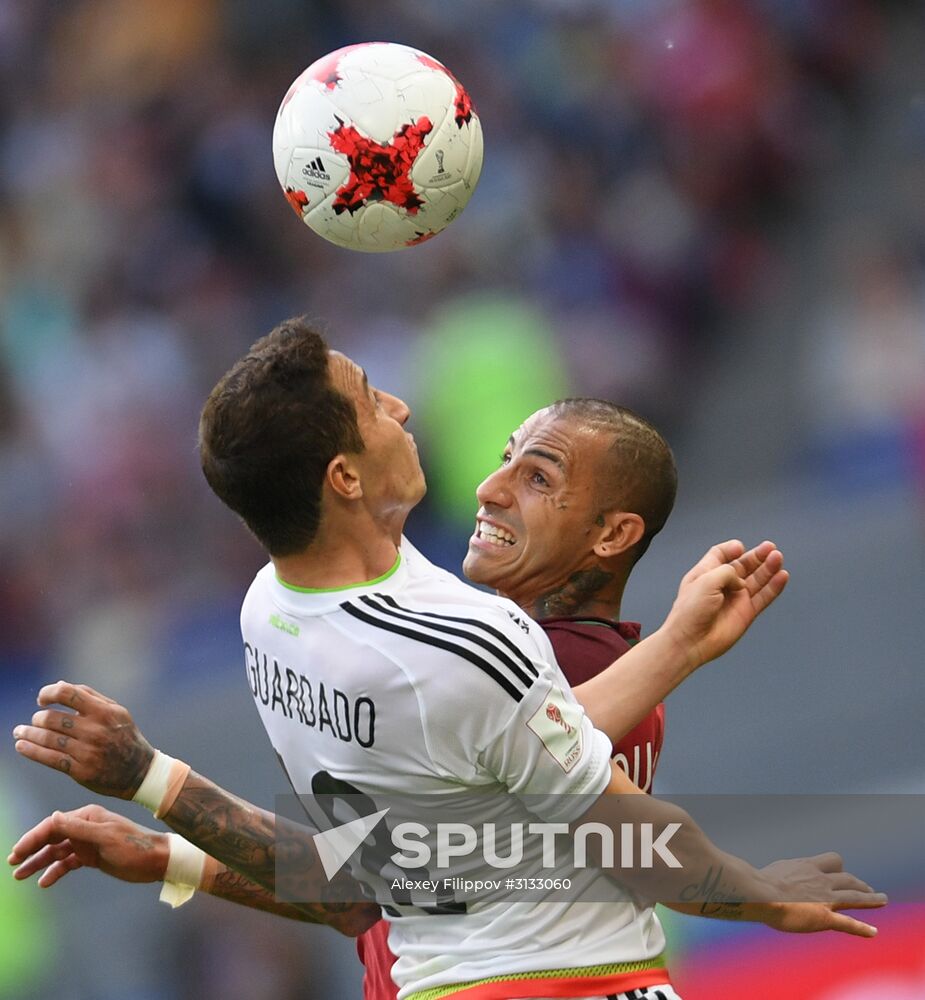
(377, 147)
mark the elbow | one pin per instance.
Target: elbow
(356, 919)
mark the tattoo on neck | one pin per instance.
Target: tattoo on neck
(573, 595)
(599, 520)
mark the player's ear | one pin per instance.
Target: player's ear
(621, 531)
(342, 477)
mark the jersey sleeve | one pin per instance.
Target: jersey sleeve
(529, 734)
(549, 750)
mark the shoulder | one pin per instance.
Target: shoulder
(584, 647)
(596, 630)
(442, 645)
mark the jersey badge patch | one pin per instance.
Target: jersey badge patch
(557, 722)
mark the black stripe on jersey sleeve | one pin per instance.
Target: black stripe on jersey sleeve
(475, 623)
(432, 640)
(474, 637)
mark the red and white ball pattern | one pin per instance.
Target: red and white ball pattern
(377, 146)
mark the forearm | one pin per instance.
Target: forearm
(708, 882)
(723, 912)
(712, 883)
(620, 697)
(672, 861)
(240, 835)
(236, 888)
(256, 845)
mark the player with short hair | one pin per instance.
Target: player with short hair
(362, 610)
(612, 469)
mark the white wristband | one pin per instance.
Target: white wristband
(185, 865)
(152, 790)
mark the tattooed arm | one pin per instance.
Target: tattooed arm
(101, 748)
(715, 897)
(94, 837)
(268, 853)
(689, 873)
(236, 888)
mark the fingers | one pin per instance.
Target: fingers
(759, 564)
(849, 925)
(829, 861)
(57, 867)
(769, 593)
(58, 870)
(59, 732)
(868, 901)
(845, 880)
(751, 561)
(33, 840)
(81, 698)
(51, 830)
(96, 694)
(722, 578)
(47, 738)
(762, 570)
(57, 760)
(724, 552)
(48, 846)
(44, 857)
(851, 899)
(61, 722)
(717, 555)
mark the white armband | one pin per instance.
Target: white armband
(185, 866)
(161, 785)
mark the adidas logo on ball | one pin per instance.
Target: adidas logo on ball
(316, 170)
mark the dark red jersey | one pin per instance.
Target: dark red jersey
(583, 648)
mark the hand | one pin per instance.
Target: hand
(804, 880)
(97, 744)
(90, 837)
(722, 595)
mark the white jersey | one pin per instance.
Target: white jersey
(417, 683)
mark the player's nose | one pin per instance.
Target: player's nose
(396, 408)
(495, 489)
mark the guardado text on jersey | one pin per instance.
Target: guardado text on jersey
(317, 706)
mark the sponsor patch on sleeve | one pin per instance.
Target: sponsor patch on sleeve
(557, 722)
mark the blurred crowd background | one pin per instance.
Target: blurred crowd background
(708, 210)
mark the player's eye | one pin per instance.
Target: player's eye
(504, 458)
(539, 479)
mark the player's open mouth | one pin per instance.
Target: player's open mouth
(493, 534)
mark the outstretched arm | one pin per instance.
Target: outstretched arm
(100, 747)
(798, 895)
(94, 837)
(717, 601)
